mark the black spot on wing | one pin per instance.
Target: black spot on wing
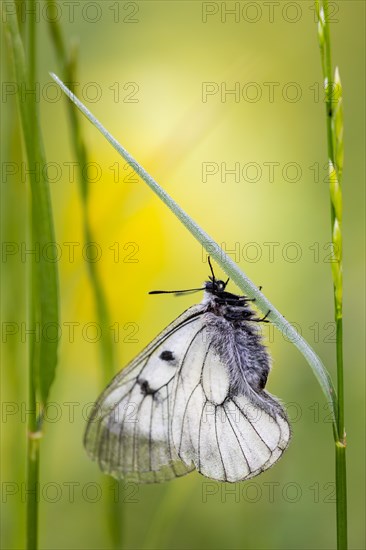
(145, 387)
(167, 355)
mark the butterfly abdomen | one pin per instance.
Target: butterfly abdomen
(246, 357)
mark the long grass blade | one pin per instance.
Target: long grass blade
(42, 274)
(227, 264)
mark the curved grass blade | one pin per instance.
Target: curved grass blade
(227, 264)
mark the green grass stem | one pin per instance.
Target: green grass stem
(334, 124)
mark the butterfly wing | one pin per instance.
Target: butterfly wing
(173, 410)
(227, 437)
(128, 430)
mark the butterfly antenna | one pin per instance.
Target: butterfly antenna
(212, 271)
(186, 291)
(213, 274)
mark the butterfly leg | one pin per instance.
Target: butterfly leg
(261, 319)
(264, 319)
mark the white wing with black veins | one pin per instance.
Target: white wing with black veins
(228, 438)
(128, 431)
(172, 411)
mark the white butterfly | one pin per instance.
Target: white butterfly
(194, 398)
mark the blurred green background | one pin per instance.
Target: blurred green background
(157, 74)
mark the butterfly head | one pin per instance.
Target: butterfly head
(215, 286)
(215, 289)
(215, 292)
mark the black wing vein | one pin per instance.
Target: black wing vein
(251, 425)
(218, 444)
(241, 448)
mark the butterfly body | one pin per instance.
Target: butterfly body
(193, 399)
(235, 333)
